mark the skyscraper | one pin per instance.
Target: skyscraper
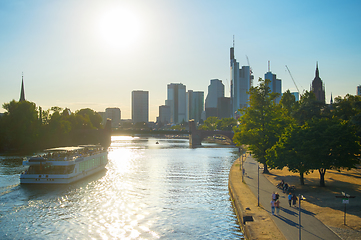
(195, 105)
(176, 100)
(275, 84)
(215, 91)
(318, 87)
(241, 82)
(140, 106)
(164, 114)
(359, 90)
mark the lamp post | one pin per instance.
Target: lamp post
(258, 184)
(300, 197)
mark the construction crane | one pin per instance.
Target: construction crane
(293, 79)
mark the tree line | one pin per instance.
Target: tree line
(305, 136)
(26, 128)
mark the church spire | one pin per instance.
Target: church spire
(317, 73)
(22, 93)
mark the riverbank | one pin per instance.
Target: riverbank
(320, 202)
(245, 203)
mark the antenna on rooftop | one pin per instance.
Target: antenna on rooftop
(233, 41)
(269, 67)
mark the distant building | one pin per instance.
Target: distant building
(22, 92)
(140, 106)
(318, 87)
(176, 100)
(224, 107)
(195, 105)
(164, 114)
(215, 91)
(359, 90)
(114, 115)
(275, 84)
(241, 82)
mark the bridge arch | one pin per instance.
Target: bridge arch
(196, 136)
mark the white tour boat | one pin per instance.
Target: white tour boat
(64, 164)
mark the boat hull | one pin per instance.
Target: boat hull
(81, 167)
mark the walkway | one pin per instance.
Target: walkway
(287, 221)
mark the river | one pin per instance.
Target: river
(148, 191)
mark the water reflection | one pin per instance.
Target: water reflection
(149, 191)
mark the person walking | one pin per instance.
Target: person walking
(274, 196)
(277, 206)
(273, 207)
(289, 199)
(294, 199)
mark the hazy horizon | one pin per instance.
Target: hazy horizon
(93, 54)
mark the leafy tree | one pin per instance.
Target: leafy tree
(347, 107)
(319, 144)
(291, 151)
(308, 108)
(210, 124)
(178, 127)
(20, 125)
(226, 124)
(288, 103)
(92, 119)
(261, 124)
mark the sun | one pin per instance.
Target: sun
(119, 28)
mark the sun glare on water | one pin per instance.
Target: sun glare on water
(119, 28)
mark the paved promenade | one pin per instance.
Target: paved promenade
(288, 218)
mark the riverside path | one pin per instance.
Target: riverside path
(287, 221)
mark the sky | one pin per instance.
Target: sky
(93, 54)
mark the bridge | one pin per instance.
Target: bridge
(196, 136)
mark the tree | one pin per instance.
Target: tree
(20, 125)
(210, 124)
(226, 124)
(319, 144)
(93, 119)
(291, 151)
(288, 102)
(261, 123)
(308, 108)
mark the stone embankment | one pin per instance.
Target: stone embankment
(253, 219)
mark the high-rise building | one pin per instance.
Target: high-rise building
(359, 90)
(164, 114)
(318, 87)
(275, 84)
(241, 82)
(195, 105)
(114, 115)
(224, 107)
(215, 91)
(140, 106)
(176, 100)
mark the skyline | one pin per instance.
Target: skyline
(73, 54)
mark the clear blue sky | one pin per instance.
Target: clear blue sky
(92, 54)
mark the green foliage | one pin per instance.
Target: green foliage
(19, 125)
(178, 127)
(308, 108)
(23, 128)
(262, 123)
(319, 144)
(210, 124)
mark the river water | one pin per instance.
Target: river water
(148, 191)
